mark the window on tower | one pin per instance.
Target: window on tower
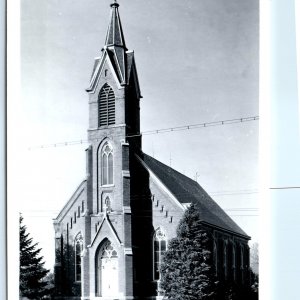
(106, 106)
(107, 205)
(107, 165)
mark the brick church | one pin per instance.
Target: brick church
(111, 235)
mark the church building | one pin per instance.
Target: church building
(112, 233)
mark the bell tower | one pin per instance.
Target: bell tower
(113, 134)
(114, 92)
(114, 111)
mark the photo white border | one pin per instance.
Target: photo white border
(13, 101)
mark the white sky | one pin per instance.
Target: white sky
(197, 62)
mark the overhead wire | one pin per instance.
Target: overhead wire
(51, 213)
(165, 130)
(156, 131)
(285, 188)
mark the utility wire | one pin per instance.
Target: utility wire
(157, 131)
(56, 211)
(142, 216)
(285, 188)
(239, 212)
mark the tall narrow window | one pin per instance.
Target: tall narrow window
(107, 165)
(225, 259)
(159, 249)
(242, 257)
(233, 261)
(78, 250)
(215, 257)
(106, 106)
(242, 263)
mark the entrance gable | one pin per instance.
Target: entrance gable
(105, 229)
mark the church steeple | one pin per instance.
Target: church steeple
(114, 90)
(115, 35)
(120, 60)
(115, 43)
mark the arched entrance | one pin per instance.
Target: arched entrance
(107, 271)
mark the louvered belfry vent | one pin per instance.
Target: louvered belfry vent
(106, 113)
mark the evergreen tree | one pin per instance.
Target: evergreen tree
(32, 269)
(186, 270)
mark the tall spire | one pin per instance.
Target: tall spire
(115, 51)
(115, 35)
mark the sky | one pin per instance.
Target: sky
(197, 61)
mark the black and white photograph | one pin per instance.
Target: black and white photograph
(137, 150)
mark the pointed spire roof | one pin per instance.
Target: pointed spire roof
(114, 36)
(116, 53)
(115, 43)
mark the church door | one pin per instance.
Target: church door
(108, 267)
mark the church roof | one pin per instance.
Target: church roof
(187, 190)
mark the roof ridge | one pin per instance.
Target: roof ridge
(183, 175)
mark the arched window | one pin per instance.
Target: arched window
(107, 271)
(159, 249)
(107, 164)
(106, 106)
(78, 251)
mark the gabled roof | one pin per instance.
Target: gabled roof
(114, 233)
(132, 72)
(187, 191)
(109, 56)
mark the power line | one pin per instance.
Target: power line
(38, 213)
(244, 215)
(202, 125)
(157, 131)
(145, 216)
(233, 194)
(285, 188)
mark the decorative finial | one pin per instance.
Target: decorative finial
(115, 4)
